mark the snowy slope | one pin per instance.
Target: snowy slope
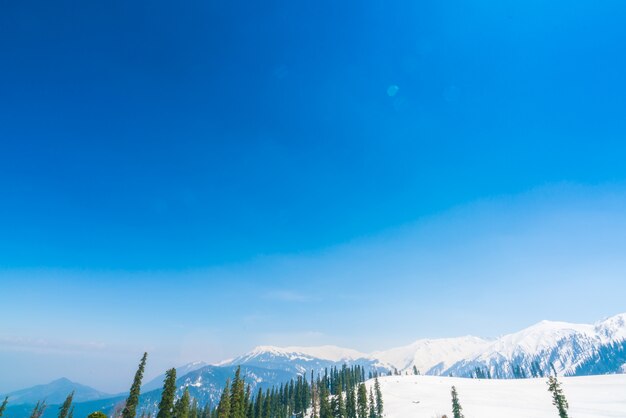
(429, 396)
(560, 344)
(431, 356)
(157, 382)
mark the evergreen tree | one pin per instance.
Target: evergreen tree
(181, 408)
(558, 398)
(166, 406)
(223, 408)
(415, 372)
(351, 403)
(97, 414)
(325, 409)
(3, 407)
(65, 408)
(372, 413)
(133, 397)
(38, 410)
(379, 398)
(456, 406)
(338, 405)
(194, 412)
(258, 404)
(361, 401)
(237, 397)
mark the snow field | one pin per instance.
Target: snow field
(429, 396)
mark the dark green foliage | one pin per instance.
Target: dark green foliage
(372, 413)
(338, 405)
(38, 409)
(379, 397)
(64, 409)
(456, 405)
(133, 397)
(194, 411)
(181, 408)
(361, 401)
(166, 406)
(415, 371)
(223, 408)
(558, 398)
(4, 405)
(325, 408)
(320, 398)
(71, 415)
(97, 414)
(237, 397)
(351, 403)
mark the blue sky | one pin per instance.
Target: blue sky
(198, 178)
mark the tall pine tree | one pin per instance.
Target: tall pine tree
(130, 409)
(64, 409)
(181, 408)
(379, 397)
(3, 407)
(558, 398)
(223, 408)
(166, 406)
(361, 401)
(38, 410)
(237, 397)
(456, 405)
(372, 413)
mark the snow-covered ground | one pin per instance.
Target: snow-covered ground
(429, 397)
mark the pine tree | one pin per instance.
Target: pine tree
(258, 404)
(3, 407)
(379, 398)
(38, 410)
(558, 398)
(372, 413)
(223, 409)
(237, 397)
(415, 372)
(130, 409)
(361, 402)
(351, 403)
(194, 412)
(338, 405)
(325, 409)
(166, 406)
(65, 408)
(181, 408)
(97, 414)
(456, 406)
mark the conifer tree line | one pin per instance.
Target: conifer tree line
(337, 393)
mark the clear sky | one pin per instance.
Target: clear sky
(195, 178)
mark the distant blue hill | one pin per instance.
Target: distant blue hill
(55, 392)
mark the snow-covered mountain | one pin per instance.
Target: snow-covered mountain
(303, 360)
(157, 382)
(535, 350)
(431, 356)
